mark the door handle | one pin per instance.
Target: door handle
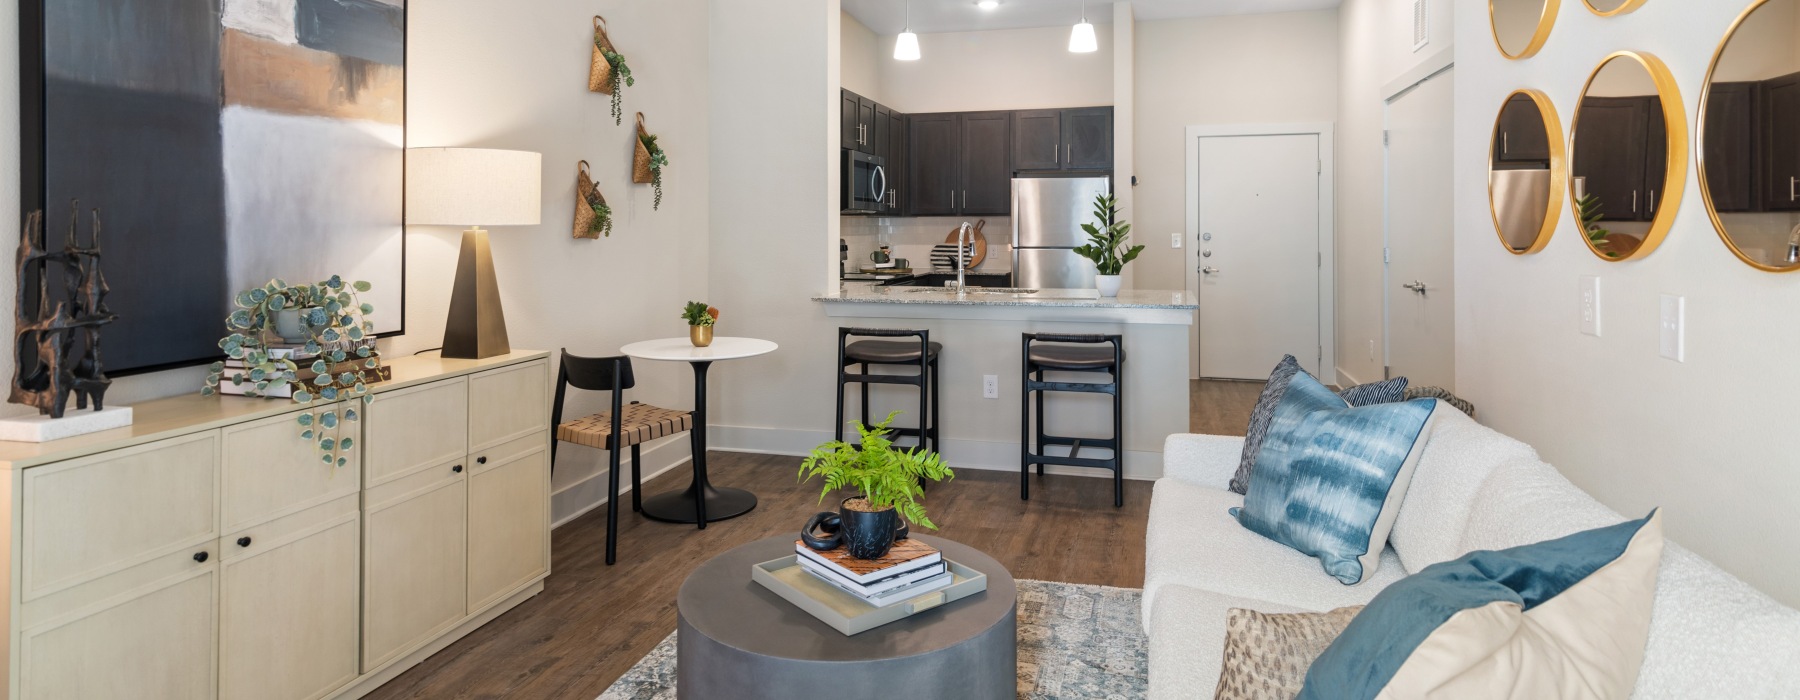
(1415, 286)
(878, 190)
(1208, 270)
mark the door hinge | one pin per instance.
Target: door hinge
(1386, 257)
(1384, 136)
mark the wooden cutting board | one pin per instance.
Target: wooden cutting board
(980, 243)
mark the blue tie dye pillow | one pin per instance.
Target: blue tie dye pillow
(1330, 478)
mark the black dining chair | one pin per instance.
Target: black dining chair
(626, 425)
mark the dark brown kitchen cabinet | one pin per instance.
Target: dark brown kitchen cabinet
(1613, 153)
(986, 164)
(960, 163)
(933, 154)
(1522, 137)
(856, 120)
(1063, 139)
(896, 158)
(1781, 111)
(1730, 153)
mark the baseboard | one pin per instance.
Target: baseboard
(961, 454)
(577, 498)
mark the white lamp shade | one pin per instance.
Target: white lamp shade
(474, 187)
(1082, 39)
(906, 47)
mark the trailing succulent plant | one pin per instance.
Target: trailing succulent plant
(886, 477)
(1588, 210)
(339, 340)
(697, 313)
(658, 160)
(621, 74)
(603, 221)
(1107, 248)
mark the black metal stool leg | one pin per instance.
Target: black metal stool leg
(1041, 419)
(863, 390)
(637, 475)
(1025, 432)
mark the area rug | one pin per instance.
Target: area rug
(1076, 642)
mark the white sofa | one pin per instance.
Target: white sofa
(1712, 636)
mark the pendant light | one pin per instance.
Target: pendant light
(1082, 39)
(906, 46)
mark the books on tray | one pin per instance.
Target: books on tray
(910, 568)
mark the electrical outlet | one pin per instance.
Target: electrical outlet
(1174, 240)
(1674, 323)
(990, 386)
(1590, 305)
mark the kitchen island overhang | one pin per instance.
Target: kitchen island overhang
(1131, 306)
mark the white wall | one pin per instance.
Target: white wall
(1377, 51)
(1244, 69)
(1002, 69)
(1710, 440)
(859, 63)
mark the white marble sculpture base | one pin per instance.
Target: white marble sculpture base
(42, 428)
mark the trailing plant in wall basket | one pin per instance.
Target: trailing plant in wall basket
(647, 167)
(607, 70)
(276, 328)
(593, 216)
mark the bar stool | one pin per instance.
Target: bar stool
(922, 354)
(1071, 353)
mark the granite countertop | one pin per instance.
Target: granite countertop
(1070, 298)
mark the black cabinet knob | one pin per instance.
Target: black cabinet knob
(243, 541)
(200, 557)
(457, 469)
(481, 460)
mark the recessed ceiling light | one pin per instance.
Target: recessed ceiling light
(988, 4)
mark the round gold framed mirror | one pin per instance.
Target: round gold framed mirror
(1627, 156)
(1748, 149)
(1526, 172)
(1521, 26)
(1609, 8)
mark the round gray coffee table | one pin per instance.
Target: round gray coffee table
(739, 640)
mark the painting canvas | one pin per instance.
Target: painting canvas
(225, 143)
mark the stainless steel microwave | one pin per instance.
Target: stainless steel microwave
(865, 185)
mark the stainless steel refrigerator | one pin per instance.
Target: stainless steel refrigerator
(1047, 214)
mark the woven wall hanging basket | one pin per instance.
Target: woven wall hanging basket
(587, 221)
(640, 165)
(600, 72)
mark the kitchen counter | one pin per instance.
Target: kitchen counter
(1170, 307)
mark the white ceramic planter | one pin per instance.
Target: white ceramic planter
(1108, 284)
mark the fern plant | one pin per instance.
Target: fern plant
(1106, 248)
(886, 477)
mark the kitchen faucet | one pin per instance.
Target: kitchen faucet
(962, 247)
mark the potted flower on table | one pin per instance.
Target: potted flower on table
(700, 319)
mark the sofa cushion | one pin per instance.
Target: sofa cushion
(1267, 654)
(1331, 478)
(1457, 460)
(1526, 501)
(1566, 618)
(1187, 639)
(1713, 636)
(1193, 541)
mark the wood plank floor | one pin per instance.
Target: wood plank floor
(593, 621)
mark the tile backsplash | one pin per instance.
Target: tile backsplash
(913, 238)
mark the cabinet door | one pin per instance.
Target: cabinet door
(934, 149)
(150, 640)
(289, 609)
(1656, 153)
(986, 165)
(1730, 155)
(509, 519)
(1037, 139)
(878, 132)
(416, 428)
(1522, 135)
(1087, 136)
(1611, 152)
(1782, 96)
(851, 128)
(508, 403)
(414, 561)
(896, 164)
(268, 471)
(865, 116)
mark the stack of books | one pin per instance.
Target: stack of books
(304, 373)
(911, 568)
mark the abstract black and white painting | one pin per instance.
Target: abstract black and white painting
(226, 142)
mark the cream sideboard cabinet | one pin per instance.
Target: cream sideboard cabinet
(207, 552)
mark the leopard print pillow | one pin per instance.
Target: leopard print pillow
(1267, 654)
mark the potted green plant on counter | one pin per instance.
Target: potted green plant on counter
(700, 319)
(888, 481)
(1106, 248)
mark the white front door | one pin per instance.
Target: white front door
(1421, 297)
(1258, 263)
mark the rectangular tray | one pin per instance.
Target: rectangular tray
(844, 612)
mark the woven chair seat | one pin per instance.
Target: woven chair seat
(638, 423)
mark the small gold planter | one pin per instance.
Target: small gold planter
(700, 335)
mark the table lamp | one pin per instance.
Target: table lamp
(474, 187)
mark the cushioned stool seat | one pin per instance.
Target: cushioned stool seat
(638, 423)
(1072, 356)
(886, 351)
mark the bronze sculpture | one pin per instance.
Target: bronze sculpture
(58, 344)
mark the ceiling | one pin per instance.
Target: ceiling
(932, 16)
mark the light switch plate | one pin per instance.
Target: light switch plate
(1674, 327)
(1174, 240)
(1590, 305)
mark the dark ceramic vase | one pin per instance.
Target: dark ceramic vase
(868, 535)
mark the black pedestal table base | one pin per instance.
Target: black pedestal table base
(700, 497)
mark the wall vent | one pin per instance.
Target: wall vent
(1421, 24)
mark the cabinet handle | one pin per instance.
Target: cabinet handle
(1634, 202)
(1793, 194)
(481, 460)
(965, 199)
(1652, 210)
(1069, 154)
(200, 557)
(457, 469)
(244, 541)
(1056, 155)
(1505, 144)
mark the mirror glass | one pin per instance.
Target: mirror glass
(1525, 172)
(1628, 156)
(1521, 26)
(1613, 7)
(1749, 148)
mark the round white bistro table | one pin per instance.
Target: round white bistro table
(700, 502)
